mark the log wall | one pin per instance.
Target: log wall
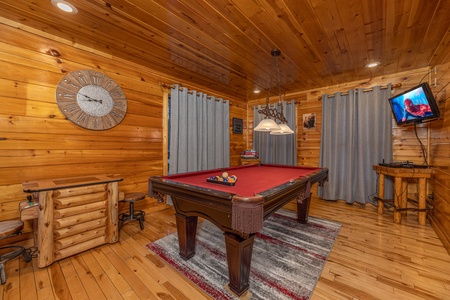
(405, 145)
(37, 142)
(440, 157)
(434, 135)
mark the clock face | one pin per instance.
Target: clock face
(91, 99)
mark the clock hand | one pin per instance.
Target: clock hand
(94, 100)
(91, 99)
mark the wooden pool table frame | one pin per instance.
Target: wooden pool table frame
(192, 202)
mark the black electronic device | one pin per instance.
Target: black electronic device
(415, 105)
(403, 164)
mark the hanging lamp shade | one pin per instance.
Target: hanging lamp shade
(267, 125)
(284, 129)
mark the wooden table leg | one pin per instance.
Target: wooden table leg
(303, 209)
(239, 257)
(422, 201)
(404, 198)
(397, 199)
(187, 231)
(45, 229)
(381, 193)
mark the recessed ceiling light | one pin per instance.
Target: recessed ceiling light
(372, 64)
(256, 91)
(65, 6)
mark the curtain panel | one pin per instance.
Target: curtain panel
(277, 149)
(356, 134)
(199, 133)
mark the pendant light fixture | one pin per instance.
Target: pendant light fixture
(272, 115)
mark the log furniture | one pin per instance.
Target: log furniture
(250, 161)
(402, 177)
(73, 215)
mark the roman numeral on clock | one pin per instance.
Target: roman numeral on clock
(82, 79)
(83, 119)
(71, 108)
(96, 78)
(107, 122)
(117, 114)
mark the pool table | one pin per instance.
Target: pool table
(238, 209)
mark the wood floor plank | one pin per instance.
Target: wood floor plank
(128, 274)
(74, 283)
(42, 282)
(368, 281)
(27, 284)
(59, 283)
(87, 278)
(12, 286)
(372, 258)
(341, 290)
(91, 265)
(131, 295)
(140, 269)
(111, 271)
(176, 285)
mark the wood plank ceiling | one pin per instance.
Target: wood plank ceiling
(225, 45)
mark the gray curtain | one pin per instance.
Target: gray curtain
(199, 133)
(356, 134)
(277, 149)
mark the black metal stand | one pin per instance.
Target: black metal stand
(132, 215)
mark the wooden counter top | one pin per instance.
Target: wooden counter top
(61, 183)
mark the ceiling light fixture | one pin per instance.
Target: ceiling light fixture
(272, 115)
(65, 6)
(372, 64)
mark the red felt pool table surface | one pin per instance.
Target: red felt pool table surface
(251, 179)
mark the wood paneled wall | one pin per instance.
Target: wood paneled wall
(37, 142)
(405, 145)
(434, 135)
(440, 157)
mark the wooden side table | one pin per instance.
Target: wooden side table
(250, 161)
(73, 215)
(401, 179)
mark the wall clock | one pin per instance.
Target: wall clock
(91, 99)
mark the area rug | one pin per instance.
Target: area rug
(287, 260)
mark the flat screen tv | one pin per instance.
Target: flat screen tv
(415, 105)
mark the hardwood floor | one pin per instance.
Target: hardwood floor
(372, 258)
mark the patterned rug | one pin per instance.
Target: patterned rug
(287, 260)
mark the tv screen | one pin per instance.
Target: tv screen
(415, 105)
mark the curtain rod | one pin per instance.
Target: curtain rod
(163, 85)
(395, 86)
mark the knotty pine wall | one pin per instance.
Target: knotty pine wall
(440, 157)
(37, 142)
(434, 135)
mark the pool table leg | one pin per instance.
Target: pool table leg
(303, 208)
(187, 231)
(239, 257)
